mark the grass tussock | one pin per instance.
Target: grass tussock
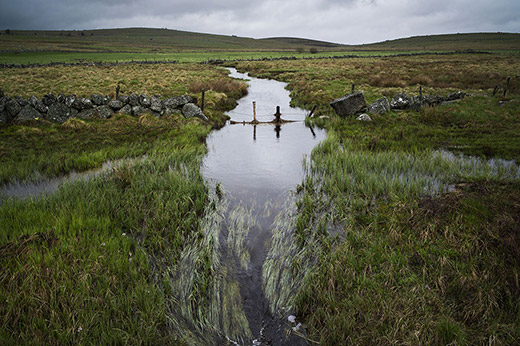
(75, 124)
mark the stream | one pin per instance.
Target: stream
(255, 168)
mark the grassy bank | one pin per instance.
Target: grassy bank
(409, 222)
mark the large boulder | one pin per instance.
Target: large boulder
(380, 106)
(350, 104)
(59, 112)
(99, 100)
(115, 104)
(364, 117)
(156, 104)
(190, 110)
(401, 101)
(27, 113)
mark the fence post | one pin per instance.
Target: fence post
(507, 86)
(254, 111)
(202, 105)
(353, 87)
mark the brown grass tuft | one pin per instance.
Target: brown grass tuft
(75, 124)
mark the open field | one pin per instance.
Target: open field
(411, 243)
(410, 221)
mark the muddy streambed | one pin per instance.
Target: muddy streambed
(254, 169)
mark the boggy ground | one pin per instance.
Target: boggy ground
(411, 220)
(90, 263)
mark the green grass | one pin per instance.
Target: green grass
(396, 240)
(85, 265)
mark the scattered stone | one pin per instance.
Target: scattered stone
(59, 112)
(190, 110)
(28, 113)
(144, 101)
(349, 105)
(401, 101)
(380, 106)
(127, 109)
(115, 104)
(96, 99)
(21, 101)
(292, 318)
(364, 117)
(49, 99)
(156, 104)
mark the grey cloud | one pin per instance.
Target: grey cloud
(350, 21)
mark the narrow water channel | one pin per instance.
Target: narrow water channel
(256, 167)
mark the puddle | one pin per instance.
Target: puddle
(257, 167)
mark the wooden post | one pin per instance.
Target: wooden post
(202, 105)
(507, 86)
(117, 90)
(312, 111)
(254, 111)
(420, 94)
(277, 114)
(353, 87)
(495, 90)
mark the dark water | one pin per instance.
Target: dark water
(257, 167)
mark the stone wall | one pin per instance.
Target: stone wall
(61, 107)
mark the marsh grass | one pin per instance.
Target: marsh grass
(78, 266)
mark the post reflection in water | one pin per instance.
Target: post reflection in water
(277, 129)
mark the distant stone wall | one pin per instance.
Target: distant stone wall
(61, 107)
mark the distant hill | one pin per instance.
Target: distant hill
(166, 41)
(145, 40)
(450, 42)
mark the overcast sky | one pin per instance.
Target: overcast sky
(341, 21)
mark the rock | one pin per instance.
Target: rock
(61, 98)
(401, 101)
(59, 112)
(456, 96)
(380, 106)
(177, 102)
(133, 100)
(33, 100)
(86, 103)
(127, 109)
(169, 111)
(292, 318)
(40, 107)
(12, 107)
(4, 117)
(144, 101)
(97, 99)
(100, 112)
(190, 110)
(137, 110)
(156, 104)
(69, 100)
(432, 100)
(350, 104)
(124, 98)
(115, 104)
(21, 101)
(49, 99)
(28, 113)
(364, 117)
